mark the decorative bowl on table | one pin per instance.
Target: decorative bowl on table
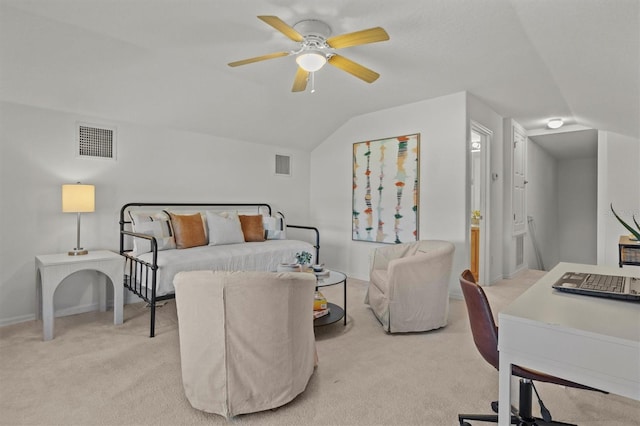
(319, 271)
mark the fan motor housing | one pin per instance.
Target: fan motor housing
(313, 27)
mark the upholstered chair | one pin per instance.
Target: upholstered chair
(246, 338)
(409, 285)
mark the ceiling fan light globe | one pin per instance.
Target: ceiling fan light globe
(311, 61)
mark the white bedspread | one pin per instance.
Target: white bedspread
(256, 256)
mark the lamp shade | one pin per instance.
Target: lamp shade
(311, 60)
(78, 198)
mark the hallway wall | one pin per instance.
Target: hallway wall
(578, 210)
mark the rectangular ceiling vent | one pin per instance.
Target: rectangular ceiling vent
(96, 141)
(283, 165)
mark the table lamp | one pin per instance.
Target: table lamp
(78, 198)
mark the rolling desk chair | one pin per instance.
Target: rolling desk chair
(485, 336)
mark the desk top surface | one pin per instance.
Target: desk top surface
(608, 318)
(626, 240)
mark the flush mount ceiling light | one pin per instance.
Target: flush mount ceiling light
(311, 60)
(555, 123)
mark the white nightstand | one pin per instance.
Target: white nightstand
(52, 269)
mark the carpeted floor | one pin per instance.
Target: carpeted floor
(95, 373)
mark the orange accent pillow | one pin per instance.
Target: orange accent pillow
(188, 230)
(252, 227)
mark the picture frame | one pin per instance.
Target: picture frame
(386, 189)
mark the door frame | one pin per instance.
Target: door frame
(484, 275)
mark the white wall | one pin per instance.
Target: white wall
(441, 123)
(618, 184)
(37, 156)
(542, 206)
(577, 210)
(153, 165)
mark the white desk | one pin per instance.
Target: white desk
(52, 269)
(588, 340)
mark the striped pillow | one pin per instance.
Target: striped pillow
(154, 224)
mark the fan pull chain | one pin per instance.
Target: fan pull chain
(313, 82)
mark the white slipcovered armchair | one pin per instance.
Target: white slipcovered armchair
(246, 338)
(409, 285)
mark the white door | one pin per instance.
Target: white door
(519, 181)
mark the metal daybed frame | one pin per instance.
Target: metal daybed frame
(140, 276)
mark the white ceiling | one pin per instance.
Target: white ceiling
(164, 62)
(569, 145)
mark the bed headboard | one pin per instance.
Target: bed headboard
(246, 208)
(242, 208)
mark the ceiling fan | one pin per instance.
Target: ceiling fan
(317, 48)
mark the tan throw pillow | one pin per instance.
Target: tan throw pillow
(252, 227)
(188, 230)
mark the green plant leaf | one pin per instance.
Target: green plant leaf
(635, 233)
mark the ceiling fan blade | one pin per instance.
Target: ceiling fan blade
(353, 68)
(258, 59)
(283, 27)
(300, 80)
(372, 35)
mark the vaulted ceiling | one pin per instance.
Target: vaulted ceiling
(164, 62)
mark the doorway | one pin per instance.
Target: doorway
(479, 178)
(562, 197)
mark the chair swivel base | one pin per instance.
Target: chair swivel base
(520, 417)
(515, 420)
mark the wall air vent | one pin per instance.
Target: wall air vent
(519, 250)
(96, 141)
(283, 165)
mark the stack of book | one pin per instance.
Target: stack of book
(320, 313)
(322, 274)
(288, 267)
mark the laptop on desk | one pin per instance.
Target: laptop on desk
(610, 286)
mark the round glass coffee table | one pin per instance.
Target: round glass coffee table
(336, 313)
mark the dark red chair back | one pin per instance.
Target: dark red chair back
(483, 325)
(485, 333)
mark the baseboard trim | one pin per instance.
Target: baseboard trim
(456, 294)
(73, 310)
(81, 309)
(17, 320)
(517, 271)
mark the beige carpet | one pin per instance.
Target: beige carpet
(95, 373)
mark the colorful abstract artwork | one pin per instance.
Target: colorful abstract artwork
(386, 185)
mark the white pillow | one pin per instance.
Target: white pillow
(274, 227)
(147, 216)
(161, 230)
(224, 228)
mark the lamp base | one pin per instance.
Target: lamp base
(78, 252)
